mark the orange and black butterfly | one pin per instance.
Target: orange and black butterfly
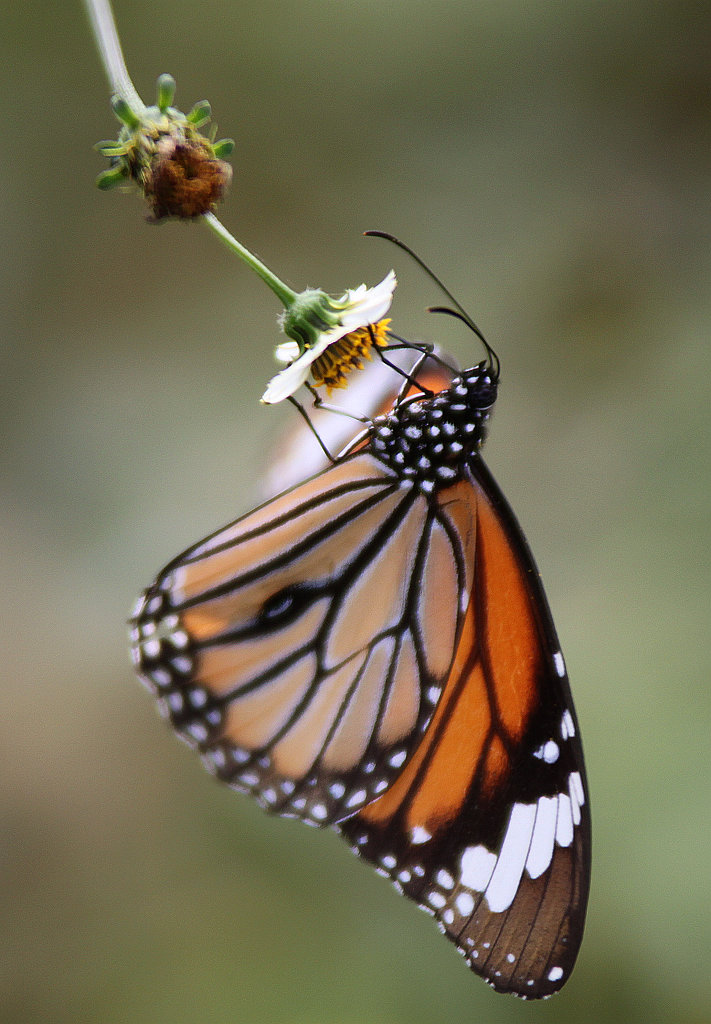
(372, 650)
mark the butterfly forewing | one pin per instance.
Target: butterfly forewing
(487, 827)
(303, 648)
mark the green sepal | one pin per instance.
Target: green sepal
(223, 148)
(200, 114)
(308, 316)
(125, 114)
(165, 92)
(110, 178)
(109, 147)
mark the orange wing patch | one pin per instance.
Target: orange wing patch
(490, 692)
(512, 647)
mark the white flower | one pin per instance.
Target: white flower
(358, 308)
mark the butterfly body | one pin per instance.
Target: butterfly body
(373, 651)
(431, 442)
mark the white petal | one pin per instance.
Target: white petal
(368, 305)
(287, 382)
(287, 352)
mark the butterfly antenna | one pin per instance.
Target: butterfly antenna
(459, 311)
(457, 314)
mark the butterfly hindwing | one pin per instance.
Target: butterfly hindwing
(302, 649)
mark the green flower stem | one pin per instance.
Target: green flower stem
(282, 291)
(107, 41)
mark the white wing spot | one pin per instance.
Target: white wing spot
(559, 664)
(420, 835)
(548, 752)
(388, 861)
(175, 701)
(567, 726)
(543, 839)
(506, 877)
(555, 974)
(564, 828)
(436, 900)
(574, 804)
(217, 756)
(198, 731)
(337, 789)
(319, 812)
(476, 867)
(444, 879)
(397, 759)
(577, 783)
(464, 903)
(357, 798)
(510, 957)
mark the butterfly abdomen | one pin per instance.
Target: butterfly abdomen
(431, 440)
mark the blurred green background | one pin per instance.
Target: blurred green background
(551, 161)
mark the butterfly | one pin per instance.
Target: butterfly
(372, 650)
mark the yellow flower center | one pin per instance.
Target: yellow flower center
(336, 362)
